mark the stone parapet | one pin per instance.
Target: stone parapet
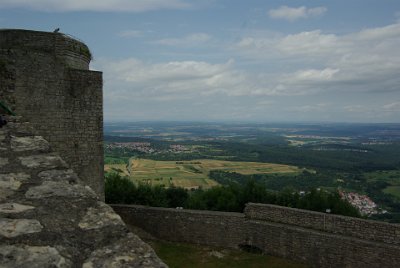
(72, 52)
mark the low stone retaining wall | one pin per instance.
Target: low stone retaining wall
(354, 227)
(275, 230)
(221, 229)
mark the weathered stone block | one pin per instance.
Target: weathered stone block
(9, 208)
(35, 143)
(43, 161)
(11, 182)
(127, 252)
(15, 227)
(60, 189)
(67, 175)
(99, 217)
(32, 257)
(3, 161)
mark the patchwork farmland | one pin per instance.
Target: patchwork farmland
(192, 174)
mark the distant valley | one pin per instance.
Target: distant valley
(363, 159)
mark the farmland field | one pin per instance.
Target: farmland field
(119, 168)
(392, 177)
(194, 173)
(393, 190)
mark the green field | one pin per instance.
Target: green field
(392, 177)
(194, 173)
(180, 255)
(393, 190)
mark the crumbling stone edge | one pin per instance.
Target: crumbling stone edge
(49, 218)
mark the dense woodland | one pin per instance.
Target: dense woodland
(232, 197)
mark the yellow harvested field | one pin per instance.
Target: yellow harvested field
(117, 168)
(194, 173)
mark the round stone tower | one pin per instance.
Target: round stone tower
(45, 78)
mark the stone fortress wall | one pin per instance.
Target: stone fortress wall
(49, 217)
(318, 239)
(46, 79)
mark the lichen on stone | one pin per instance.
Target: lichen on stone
(66, 175)
(32, 257)
(100, 217)
(126, 252)
(11, 182)
(52, 188)
(34, 143)
(3, 161)
(9, 208)
(42, 161)
(15, 227)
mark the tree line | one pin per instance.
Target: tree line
(232, 197)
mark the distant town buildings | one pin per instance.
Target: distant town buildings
(362, 202)
(146, 147)
(177, 148)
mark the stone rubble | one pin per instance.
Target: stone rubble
(49, 218)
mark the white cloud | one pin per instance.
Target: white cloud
(320, 107)
(295, 13)
(96, 5)
(265, 102)
(132, 78)
(315, 75)
(392, 107)
(356, 108)
(153, 79)
(375, 34)
(309, 65)
(130, 34)
(189, 40)
(367, 60)
(364, 61)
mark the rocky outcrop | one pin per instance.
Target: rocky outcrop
(49, 218)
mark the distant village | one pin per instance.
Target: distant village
(362, 202)
(145, 147)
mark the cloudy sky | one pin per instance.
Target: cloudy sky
(234, 60)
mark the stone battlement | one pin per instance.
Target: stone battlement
(74, 53)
